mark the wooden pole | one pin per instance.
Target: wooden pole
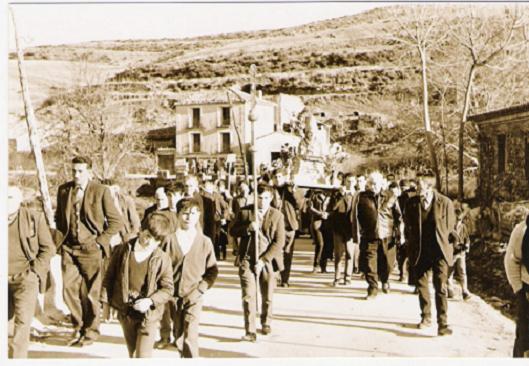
(243, 154)
(34, 137)
(252, 117)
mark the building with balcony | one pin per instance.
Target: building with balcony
(209, 124)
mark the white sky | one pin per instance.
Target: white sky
(40, 24)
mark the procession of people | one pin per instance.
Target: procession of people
(151, 273)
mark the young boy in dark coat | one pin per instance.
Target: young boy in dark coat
(138, 283)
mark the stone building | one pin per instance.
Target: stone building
(503, 154)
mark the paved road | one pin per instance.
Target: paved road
(314, 319)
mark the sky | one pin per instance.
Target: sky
(61, 23)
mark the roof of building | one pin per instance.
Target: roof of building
(161, 133)
(499, 113)
(219, 96)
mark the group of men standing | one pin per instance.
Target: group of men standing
(154, 272)
(376, 223)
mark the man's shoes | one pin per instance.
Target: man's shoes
(335, 283)
(416, 290)
(284, 284)
(466, 296)
(385, 287)
(401, 277)
(249, 337)
(266, 329)
(347, 282)
(75, 340)
(162, 344)
(450, 294)
(371, 294)
(425, 323)
(85, 341)
(444, 330)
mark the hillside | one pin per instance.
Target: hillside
(343, 66)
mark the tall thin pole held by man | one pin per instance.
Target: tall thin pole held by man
(253, 149)
(34, 137)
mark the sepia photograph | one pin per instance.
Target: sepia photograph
(294, 180)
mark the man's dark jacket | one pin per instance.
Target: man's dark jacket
(285, 202)
(159, 280)
(273, 230)
(445, 221)
(36, 240)
(99, 213)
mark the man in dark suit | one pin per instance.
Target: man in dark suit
(286, 203)
(373, 216)
(207, 206)
(87, 219)
(30, 250)
(430, 220)
(271, 232)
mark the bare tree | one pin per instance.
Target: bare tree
(97, 122)
(487, 39)
(419, 28)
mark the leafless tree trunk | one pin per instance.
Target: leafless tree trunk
(483, 45)
(426, 117)
(34, 137)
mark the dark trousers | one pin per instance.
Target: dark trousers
(317, 237)
(521, 342)
(215, 240)
(386, 257)
(223, 242)
(138, 336)
(374, 254)
(187, 319)
(82, 276)
(22, 290)
(342, 248)
(249, 293)
(433, 262)
(402, 255)
(288, 254)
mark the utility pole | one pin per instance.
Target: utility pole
(34, 137)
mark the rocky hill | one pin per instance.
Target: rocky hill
(344, 66)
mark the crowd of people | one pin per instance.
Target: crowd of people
(151, 272)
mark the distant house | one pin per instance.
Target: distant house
(18, 137)
(204, 126)
(503, 154)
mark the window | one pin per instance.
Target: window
(226, 116)
(166, 162)
(501, 153)
(196, 118)
(195, 142)
(226, 143)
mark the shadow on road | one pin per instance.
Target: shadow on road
(55, 354)
(221, 339)
(342, 322)
(216, 353)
